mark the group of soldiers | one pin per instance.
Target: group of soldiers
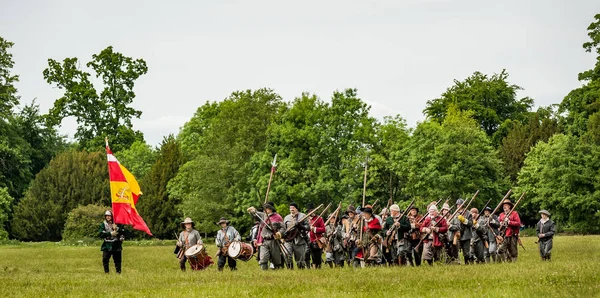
(359, 237)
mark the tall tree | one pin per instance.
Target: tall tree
(561, 175)
(72, 178)
(138, 158)
(99, 115)
(455, 158)
(581, 103)
(158, 208)
(8, 91)
(540, 126)
(491, 98)
(5, 210)
(207, 183)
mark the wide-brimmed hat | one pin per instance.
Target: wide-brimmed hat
(269, 205)
(414, 207)
(223, 220)
(432, 208)
(310, 207)
(507, 201)
(188, 220)
(108, 213)
(445, 206)
(351, 209)
(395, 208)
(544, 212)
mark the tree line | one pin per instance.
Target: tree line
(477, 135)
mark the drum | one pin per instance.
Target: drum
(198, 258)
(240, 250)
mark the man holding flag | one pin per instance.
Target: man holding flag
(124, 194)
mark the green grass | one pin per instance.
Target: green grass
(53, 270)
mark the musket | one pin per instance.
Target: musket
(394, 228)
(388, 205)
(304, 218)
(470, 201)
(267, 225)
(485, 206)
(335, 212)
(453, 215)
(503, 226)
(273, 166)
(495, 209)
(373, 206)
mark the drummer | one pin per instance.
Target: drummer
(225, 236)
(187, 238)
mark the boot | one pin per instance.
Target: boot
(118, 268)
(264, 267)
(220, 269)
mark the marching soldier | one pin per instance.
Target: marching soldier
(491, 224)
(433, 225)
(479, 240)
(446, 238)
(187, 238)
(271, 231)
(295, 242)
(510, 222)
(350, 223)
(334, 253)
(113, 236)
(368, 248)
(414, 236)
(317, 229)
(545, 232)
(225, 236)
(461, 228)
(394, 230)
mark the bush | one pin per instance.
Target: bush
(83, 222)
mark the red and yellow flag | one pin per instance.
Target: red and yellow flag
(125, 192)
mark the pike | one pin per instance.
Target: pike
(365, 182)
(273, 166)
(268, 225)
(335, 212)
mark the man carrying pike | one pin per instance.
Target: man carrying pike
(510, 222)
(295, 242)
(271, 231)
(433, 225)
(461, 230)
(394, 230)
(368, 247)
(414, 236)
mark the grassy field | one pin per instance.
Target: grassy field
(53, 270)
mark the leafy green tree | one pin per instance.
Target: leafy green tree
(455, 158)
(8, 91)
(583, 102)
(99, 115)
(209, 184)
(158, 208)
(71, 179)
(540, 126)
(138, 158)
(193, 135)
(562, 176)
(83, 221)
(5, 209)
(492, 100)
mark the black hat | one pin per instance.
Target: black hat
(368, 210)
(350, 209)
(310, 207)
(294, 205)
(269, 205)
(223, 220)
(488, 208)
(415, 207)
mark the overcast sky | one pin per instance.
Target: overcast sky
(398, 54)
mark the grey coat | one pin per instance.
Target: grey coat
(466, 232)
(289, 221)
(232, 235)
(193, 238)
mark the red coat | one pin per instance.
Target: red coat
(316, 222)
(274, 217)
(441, 224)
(374, 225)
(514, 223)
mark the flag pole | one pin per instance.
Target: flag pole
(273, 165)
